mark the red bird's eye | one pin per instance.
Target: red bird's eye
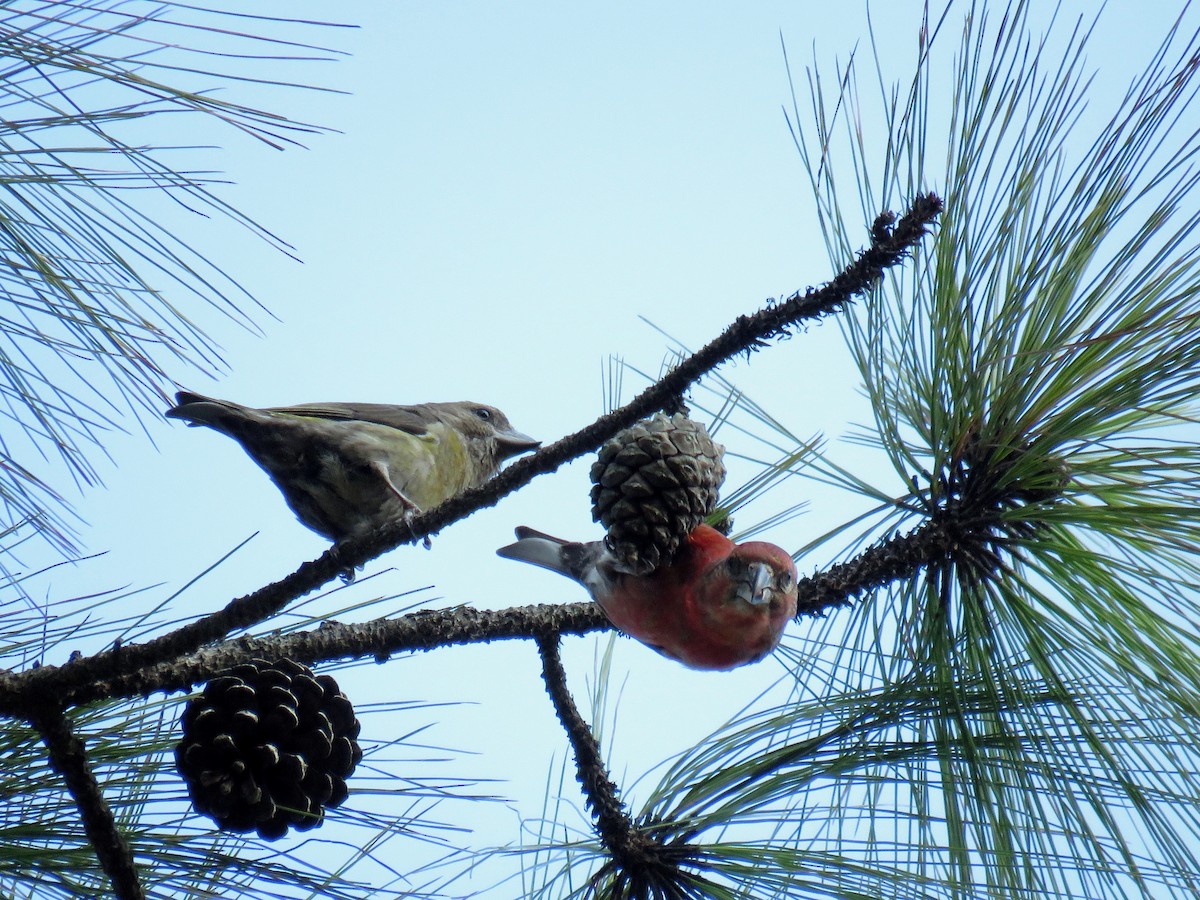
(784, 581)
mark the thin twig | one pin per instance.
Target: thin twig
(613, 824)
(69, 758)
(639, 858)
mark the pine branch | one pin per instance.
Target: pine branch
(948, 533)
(641, 864)
(891, 559)
(379, 638)
(68, 757)
(612, 821)
(96, 677)
(84, 680)
(748, 333)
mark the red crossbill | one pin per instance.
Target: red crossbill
(718, 605)
(347, 468)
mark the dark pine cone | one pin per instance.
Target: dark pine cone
(652, 484)
(268, 745)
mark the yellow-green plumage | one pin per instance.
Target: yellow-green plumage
(347, 468)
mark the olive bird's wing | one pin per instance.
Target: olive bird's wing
(412, 419)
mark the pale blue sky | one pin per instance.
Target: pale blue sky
(512, 187)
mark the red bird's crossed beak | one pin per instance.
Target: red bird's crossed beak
(755, 586)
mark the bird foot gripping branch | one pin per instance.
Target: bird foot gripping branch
(661, 575)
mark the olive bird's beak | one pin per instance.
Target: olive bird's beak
(513, 442)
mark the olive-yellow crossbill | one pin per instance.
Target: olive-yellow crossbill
(717, 605)
(347, 468)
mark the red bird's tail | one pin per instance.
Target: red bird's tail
(539, 549)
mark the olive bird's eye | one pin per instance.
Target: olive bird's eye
(484, 413)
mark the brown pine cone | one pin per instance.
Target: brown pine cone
(652, 484)
(267, 746)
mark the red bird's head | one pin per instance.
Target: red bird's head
(719, 605)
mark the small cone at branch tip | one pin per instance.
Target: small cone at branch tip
(716, 605)
(345, 469)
